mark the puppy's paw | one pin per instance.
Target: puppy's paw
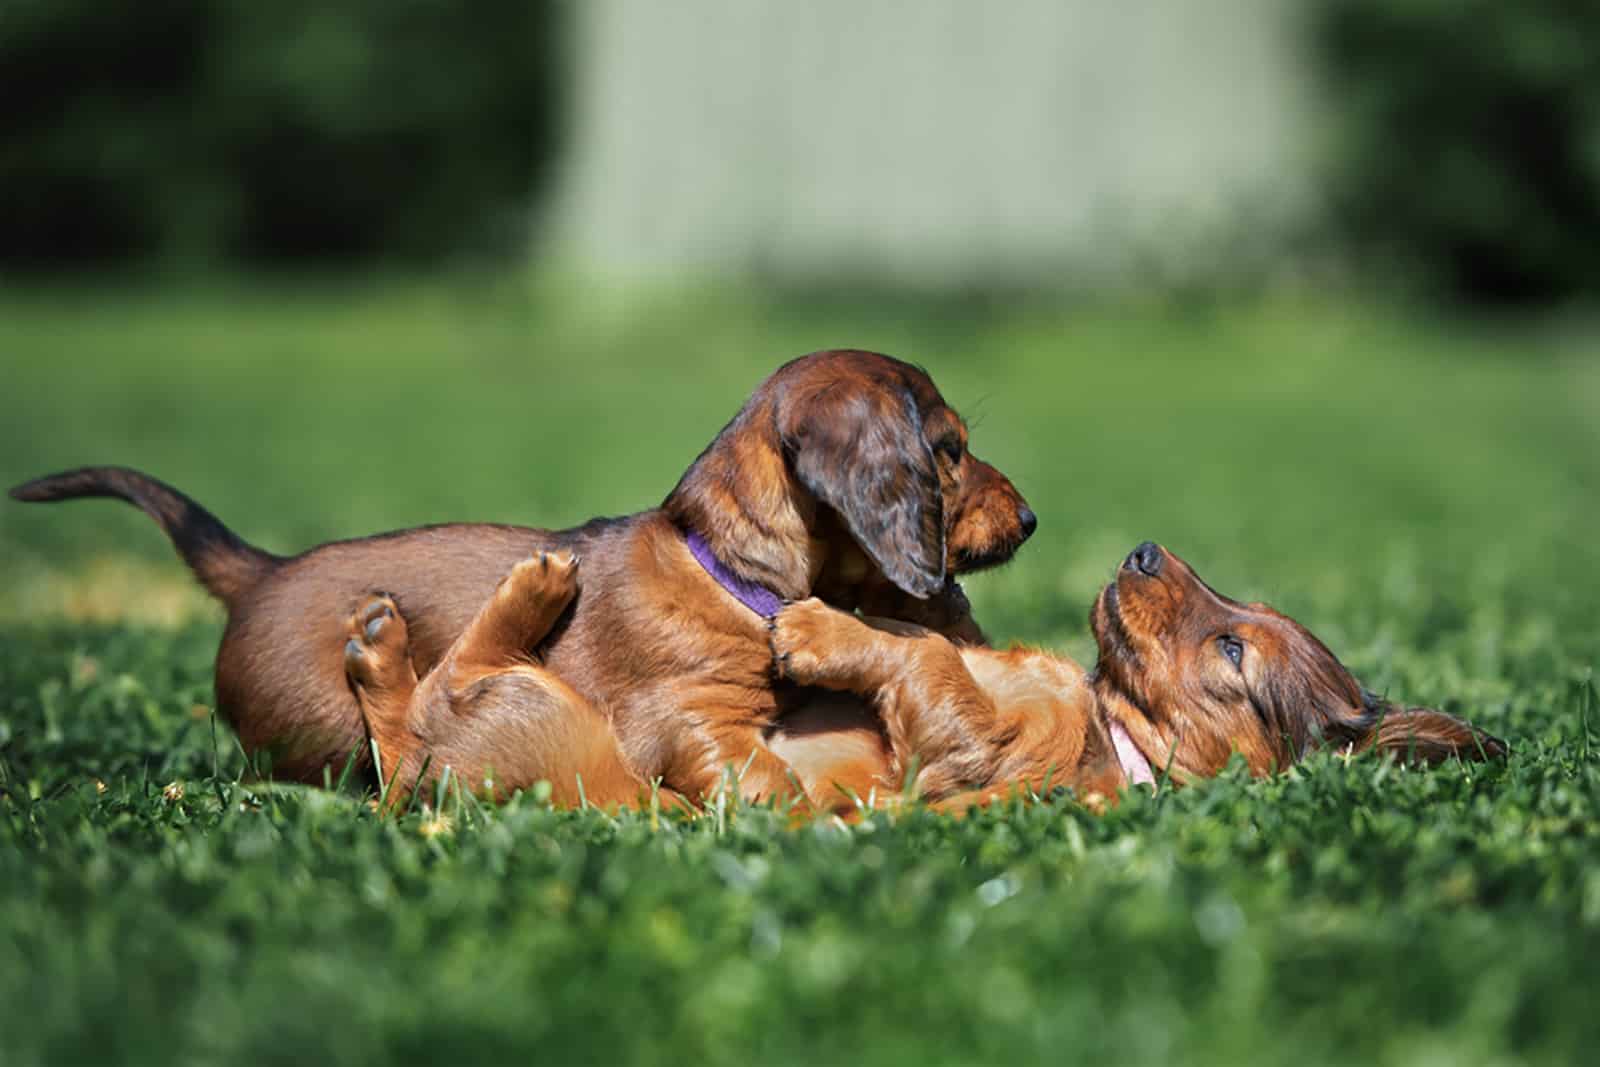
(544, 576)
(548, 578)
(803, 635)
(538, 590)
(377, 654)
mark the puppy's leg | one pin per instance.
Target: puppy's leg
(507, 729)
(497, 720)
(402, 718)
(937, 716)
(377, 663)
(756, 772)
(517, 616)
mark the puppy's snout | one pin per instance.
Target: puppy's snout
(1029, 521)
(1146, 559)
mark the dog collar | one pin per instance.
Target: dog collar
(1134, 766)
(758, 598)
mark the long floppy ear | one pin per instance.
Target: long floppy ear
(861, 452)
(1429, 736)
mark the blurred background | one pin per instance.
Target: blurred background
(1305, 290)
(1447, 147)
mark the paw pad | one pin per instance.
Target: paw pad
(376, 651)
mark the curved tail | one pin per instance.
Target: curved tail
(225, 565)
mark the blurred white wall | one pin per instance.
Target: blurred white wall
(935, 141)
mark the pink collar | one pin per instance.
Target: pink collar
(1134, 766)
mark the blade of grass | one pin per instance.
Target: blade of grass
(377, 766)
(416, 789)
(349, 765)
(908, 784)
(441, 789)
(216, 765)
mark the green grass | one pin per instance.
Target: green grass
(1423, 494)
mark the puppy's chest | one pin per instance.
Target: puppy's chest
(676, 658)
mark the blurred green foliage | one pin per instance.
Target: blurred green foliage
(1464, 147)
(1286, 447)
(300, 130)
(1467, 145)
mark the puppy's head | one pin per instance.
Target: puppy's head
(854, 446)
(1195, 676)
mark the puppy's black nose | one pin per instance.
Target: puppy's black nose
(1030, 522)
(1146, 559)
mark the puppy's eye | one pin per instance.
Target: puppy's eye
(1233, 648)
(949, 448)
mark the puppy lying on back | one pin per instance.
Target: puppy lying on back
(1185, 679)
(845, 477)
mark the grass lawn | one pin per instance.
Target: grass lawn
(1424, 495)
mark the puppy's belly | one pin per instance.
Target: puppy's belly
(834, 742)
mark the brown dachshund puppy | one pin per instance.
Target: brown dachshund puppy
(1185, 678)
(845, 477)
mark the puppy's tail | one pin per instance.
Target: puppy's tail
(225, 565)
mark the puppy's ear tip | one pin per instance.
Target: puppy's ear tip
(920, 584)
(1431, 736)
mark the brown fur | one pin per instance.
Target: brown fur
(845, 476)
(890, 700)
(1162, 674)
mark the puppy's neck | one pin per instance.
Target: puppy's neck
(1139, 736)
(759, 522)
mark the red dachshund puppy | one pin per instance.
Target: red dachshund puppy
(1186, 677)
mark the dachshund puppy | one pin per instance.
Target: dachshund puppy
(844, 477)
(1185, 678)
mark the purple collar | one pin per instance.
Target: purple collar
(758, 598)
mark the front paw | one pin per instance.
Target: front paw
(801, 636)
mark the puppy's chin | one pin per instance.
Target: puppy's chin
(1105, 622)
(1116, 658)
(971, 561)
(1108, 604)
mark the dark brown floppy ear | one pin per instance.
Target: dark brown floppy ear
(861, 452)
(1429, 736)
